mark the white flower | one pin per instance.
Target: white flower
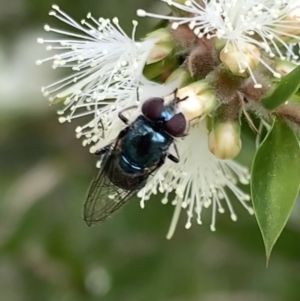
(106, 68)
(107, 77)
(268, 25)
(199, 181)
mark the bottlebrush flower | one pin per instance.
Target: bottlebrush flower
(252, 29)
(106, 65)
(199, 181)
(107, 77)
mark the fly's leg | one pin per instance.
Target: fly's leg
(101, 151)
(121, 115)
(172, 157)
(137, 94)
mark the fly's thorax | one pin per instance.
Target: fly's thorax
(168, 112)
(145, 143)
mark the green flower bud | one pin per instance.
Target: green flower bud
(179, 1)
(219, 44)
(162, 48)
(200, 100)
(283, 67)
(162, 34)
(224, 139)
(176, 11)
(152, 71)
(181, 76)
(240, 61)
(289, 26)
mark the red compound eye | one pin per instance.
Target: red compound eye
(176, 126)
(153, 107)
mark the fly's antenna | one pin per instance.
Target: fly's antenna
(175, 92)
(177, 99)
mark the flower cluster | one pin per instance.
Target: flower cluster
(230, 51)
(245, 31)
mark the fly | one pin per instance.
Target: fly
(134, 156)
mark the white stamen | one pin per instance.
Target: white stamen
(269, 25)
(107, 65)
(199, 180)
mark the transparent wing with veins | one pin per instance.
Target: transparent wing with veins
(104, 197)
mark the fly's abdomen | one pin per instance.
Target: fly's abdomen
(124, 175)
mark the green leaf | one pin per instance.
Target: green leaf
(285, 89)
(295, 99)
(275, 181)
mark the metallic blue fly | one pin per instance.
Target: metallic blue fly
(137, 153)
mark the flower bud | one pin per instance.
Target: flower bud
(291, 26)
(200, 100)
(240, 60)
(179, 1)
(219, 43)
(162, 48)
(160, 68)
(224, 139)
(162, 34)
(203, 58)
(175, 7)
(284, 67)
(180, 76)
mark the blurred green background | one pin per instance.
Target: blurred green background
(46, 250)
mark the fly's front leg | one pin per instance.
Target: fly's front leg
(172, 157)
(121, 115)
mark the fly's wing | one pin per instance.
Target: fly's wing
(104, 197)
